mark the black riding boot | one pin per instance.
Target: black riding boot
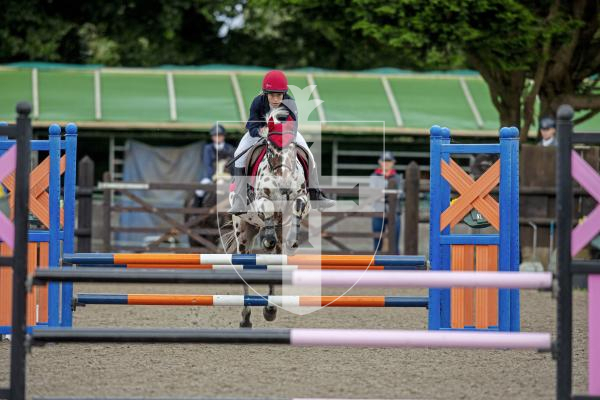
(239, 200)
(317, 197)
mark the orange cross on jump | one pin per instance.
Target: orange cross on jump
(473, 194)
(39, 201)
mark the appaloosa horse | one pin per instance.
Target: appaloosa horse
(278, 198)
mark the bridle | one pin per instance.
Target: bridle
(281, 166)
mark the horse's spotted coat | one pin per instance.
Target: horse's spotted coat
(279, 204)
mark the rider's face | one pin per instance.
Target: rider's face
(275, 99)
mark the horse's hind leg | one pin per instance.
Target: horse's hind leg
(246, 312)
(270, 311)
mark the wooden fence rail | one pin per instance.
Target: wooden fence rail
(537, 198)
(198, 228)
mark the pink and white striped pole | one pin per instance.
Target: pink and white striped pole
(423, 279)
(422, 339)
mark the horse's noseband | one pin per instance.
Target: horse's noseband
(276, 152)
(286, 192)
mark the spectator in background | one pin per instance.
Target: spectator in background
(216, 151)
(380, 179)
(548, 131)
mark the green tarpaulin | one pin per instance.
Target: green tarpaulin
(195, 98)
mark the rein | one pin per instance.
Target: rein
(234, 159)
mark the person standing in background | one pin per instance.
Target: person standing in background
(380, 179)
(548, 131)
(218, 149)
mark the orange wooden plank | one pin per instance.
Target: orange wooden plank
(42, 207)
(461, 181)
(188, 259)
(469, 265)
(210, 266)
(43, 290)
(166, 299)
(343, 301)
(166, 266)
(475, 192)
(493, 293)
(486, 299)
(481, 294)
(5, 290)
(457, 295)
(40, 176)
(31, 296)
(331, 260)
(458, 180)
(39, 180)
(470, 193)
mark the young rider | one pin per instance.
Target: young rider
(274, 95)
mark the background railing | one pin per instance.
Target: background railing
(537, 205)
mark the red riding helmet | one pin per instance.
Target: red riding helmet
(275, 81)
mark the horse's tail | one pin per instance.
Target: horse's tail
(228, 236)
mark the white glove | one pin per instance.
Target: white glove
(263, 132)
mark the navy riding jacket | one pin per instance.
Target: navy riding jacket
(259, 109)
(209, 158)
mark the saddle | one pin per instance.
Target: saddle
(258, 151)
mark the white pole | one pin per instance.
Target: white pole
(172, 98)
(423, 279)
(392, 101)
(320, 110)
(472, 105)
(238, 96)
(35, 93)
(97, 95)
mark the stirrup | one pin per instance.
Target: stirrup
(237, 206)
(318, 196)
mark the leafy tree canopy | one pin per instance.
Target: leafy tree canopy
(125, 33)
(524, 49)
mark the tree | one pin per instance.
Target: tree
(522, 49)
(315, 33)
(571, 69)
(124, 33)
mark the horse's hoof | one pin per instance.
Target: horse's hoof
(270, 313)
(245, 324)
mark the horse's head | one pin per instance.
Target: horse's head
(281, 143)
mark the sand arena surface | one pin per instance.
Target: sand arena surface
(166, 370)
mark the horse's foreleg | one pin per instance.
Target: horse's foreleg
(246, 312)
(299, 210)
(291, 237)
(266, 212)
(269, 235)
(270, 311)
(241, 230)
